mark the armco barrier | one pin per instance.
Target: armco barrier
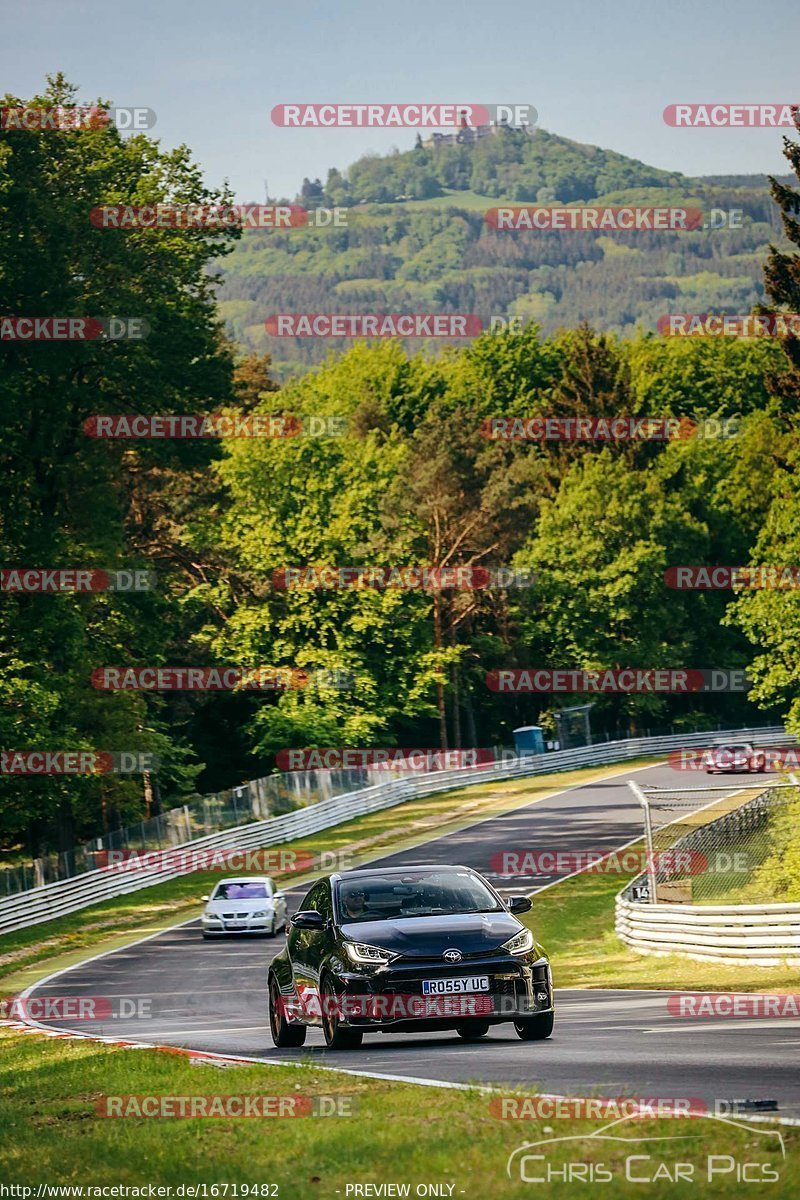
(69, 895)
(764, 935)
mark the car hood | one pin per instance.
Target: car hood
(240, 907)
(426, 937)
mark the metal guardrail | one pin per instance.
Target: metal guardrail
(257, 800)
(764, 935)
(70, 895)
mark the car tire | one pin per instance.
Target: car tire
(337, 1037)
(473, 1031)
(283, 1034)
(273, 929)
(535, 1029)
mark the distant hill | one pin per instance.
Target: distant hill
(744, 181)
(416, 241)
(505, 163)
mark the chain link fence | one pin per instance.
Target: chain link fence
(274, 795)
(270, 796)
(720, 846)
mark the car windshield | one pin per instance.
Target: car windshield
(241, 891)
(733, 749)
(414, 894)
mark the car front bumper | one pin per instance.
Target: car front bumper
(392, 997)
(248, 925)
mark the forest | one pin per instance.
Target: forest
(388, 466)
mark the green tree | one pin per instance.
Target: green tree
(73, 500)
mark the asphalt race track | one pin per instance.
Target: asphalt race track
(212, 995)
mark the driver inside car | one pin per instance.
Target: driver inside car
(355, 905)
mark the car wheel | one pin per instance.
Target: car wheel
(535, 1029)
(336, 1037)
(283, 1034)
(472, 1031)
(273, 929)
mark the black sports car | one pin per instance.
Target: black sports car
(408, 949)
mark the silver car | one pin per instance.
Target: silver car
(250, 904)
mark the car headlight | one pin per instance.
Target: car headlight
(520, 943)
(360, 952)
(262, 912)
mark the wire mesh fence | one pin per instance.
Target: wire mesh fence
(269, 796)
(721, 846)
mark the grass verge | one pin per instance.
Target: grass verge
(574, 920)
(50, 1091)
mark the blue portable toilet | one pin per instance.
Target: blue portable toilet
(528, 739)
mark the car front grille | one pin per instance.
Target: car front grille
(413, 987)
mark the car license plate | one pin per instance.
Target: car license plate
(236, 924)
(449, 987)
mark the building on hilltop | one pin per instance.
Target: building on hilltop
(473, 133)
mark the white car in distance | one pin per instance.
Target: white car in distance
(250, 904)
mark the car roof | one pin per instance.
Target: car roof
(361, 872)
(245, 879)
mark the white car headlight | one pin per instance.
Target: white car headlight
(262, 912)
(520, 943)
(360, 952)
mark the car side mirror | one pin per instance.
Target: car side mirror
(308, 919)
(519, 904)
(205, 897)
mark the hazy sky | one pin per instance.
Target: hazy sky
(600, 73)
